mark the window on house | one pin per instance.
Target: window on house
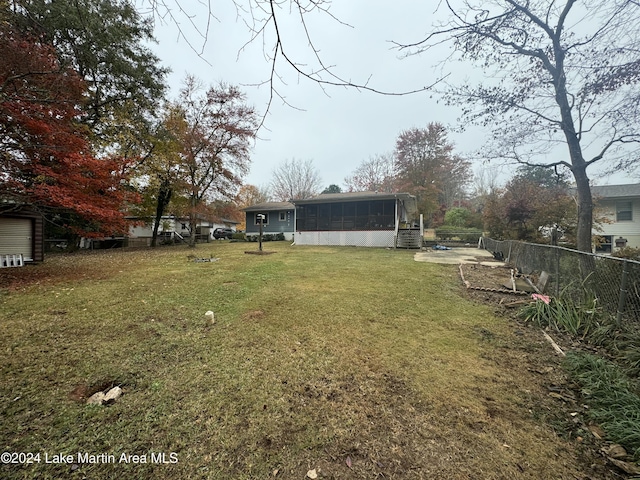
(324, 216)
(307, 218)
(283, 216)
(349, 212)
(623, 212)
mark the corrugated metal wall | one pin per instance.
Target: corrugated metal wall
(16, 237)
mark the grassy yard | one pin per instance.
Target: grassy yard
(353, 362)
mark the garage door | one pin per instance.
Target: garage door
(16, 237)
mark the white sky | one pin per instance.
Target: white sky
(336, 127)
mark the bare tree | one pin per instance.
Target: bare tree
(375, 174)
(556, 73)
(296, 179)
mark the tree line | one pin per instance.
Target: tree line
(88, 132)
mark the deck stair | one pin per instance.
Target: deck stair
(410, 238)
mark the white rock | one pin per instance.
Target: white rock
(112, 395)
(312, 474)
(96, 399)
(210, 316)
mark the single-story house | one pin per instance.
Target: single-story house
(620, 205)
(279, 217)
(366, 219)
(21, 232)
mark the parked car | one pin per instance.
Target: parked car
(219, 233)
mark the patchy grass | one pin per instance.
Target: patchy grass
(612, 397)
(359, 363)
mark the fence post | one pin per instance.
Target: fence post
(623, 293)
(557, 265)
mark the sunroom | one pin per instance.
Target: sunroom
(370, 219)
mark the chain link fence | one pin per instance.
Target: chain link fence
(613, 282)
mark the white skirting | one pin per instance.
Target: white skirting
(360, 238)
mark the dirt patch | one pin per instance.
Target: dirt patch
(61, 268)
(253, 315)
(82, 392)
(487, 283)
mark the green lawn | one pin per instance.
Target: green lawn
(358, 363)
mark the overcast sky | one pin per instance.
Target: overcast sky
(336, 127)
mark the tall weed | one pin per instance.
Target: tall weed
(570, 313)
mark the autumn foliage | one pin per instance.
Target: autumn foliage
(426, 166)
(45, 156)
(530, 206)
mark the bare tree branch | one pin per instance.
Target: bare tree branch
(262, 18)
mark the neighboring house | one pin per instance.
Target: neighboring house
(366, 219)
(620, 206)
(21, 232)
(176, 228)
(279, 217)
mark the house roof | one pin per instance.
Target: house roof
(270, 206)
(353, 196)
(616, 191)
(410, 202)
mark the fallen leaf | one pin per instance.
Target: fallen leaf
(312, 474)
(348, 461)
(275, 472)
(615, 451)
(596, 431)
(630, 468)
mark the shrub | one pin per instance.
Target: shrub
(457, 217)
(629, 253)
(238, 236)
(267, 237)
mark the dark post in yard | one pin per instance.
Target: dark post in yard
(261, 220)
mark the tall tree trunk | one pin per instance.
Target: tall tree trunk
(585, 210)
(578, 164)
(164, 197)
(193, 220)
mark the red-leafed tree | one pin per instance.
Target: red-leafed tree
(45, 157)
